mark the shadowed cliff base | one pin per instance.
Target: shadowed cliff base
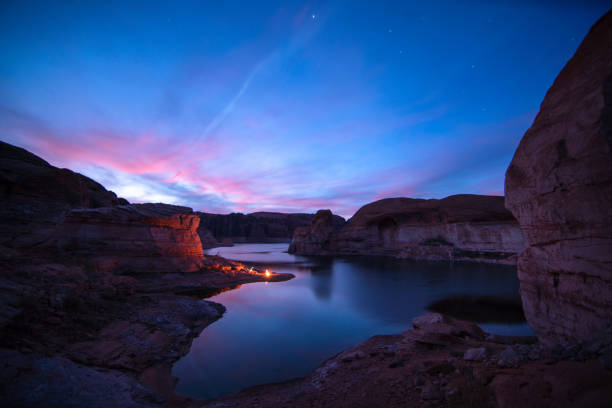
(480, 309)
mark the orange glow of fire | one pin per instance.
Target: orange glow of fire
(267, 273)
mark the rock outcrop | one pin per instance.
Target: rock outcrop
(36, 195)
(133, 239)
(559, 187)
(311, 239)
(257, 227)
(458, 228)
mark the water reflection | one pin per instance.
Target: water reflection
(283, 330)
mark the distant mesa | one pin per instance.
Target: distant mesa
(258, 227)
(464, 227)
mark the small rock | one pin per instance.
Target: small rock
(395, 364)
(509, 358)
(418, 381)
(475, 354)
(430, 392)
(535, 353)
(357, 355)
(606, 361)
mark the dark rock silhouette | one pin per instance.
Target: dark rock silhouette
(257, 227)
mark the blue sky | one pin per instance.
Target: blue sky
(287, 106)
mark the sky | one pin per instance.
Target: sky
(243, 106)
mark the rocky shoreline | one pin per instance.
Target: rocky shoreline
(443, 362)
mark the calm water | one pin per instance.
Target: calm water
(276, 331)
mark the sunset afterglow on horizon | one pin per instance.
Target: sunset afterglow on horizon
(245, 106)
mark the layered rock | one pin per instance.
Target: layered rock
(559, 187)
(456, 228)
(133, 239)
(36, 195)
(255, 227)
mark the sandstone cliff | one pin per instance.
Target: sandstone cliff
(460, 228)
(559, 187)
(133, 239)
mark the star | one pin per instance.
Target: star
(314, 16)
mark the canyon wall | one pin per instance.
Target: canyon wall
(254, 227)
(559, 187)
(460, 228)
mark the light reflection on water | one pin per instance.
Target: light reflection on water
(277, 331)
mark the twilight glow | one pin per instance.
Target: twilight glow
(281, 106)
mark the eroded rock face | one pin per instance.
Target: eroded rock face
(460, 227)
(133, 239)
(559, 187)
(35, 196)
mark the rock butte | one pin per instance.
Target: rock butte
(462, 227)
(559, 187)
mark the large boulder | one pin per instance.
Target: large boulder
(559, 187)
(461, 228)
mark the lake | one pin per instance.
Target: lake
(272, 332)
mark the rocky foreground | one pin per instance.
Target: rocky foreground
(464, 227)
(443, 362)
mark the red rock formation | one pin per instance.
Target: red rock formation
(460, 227)
(133, 239)
(559, 187)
